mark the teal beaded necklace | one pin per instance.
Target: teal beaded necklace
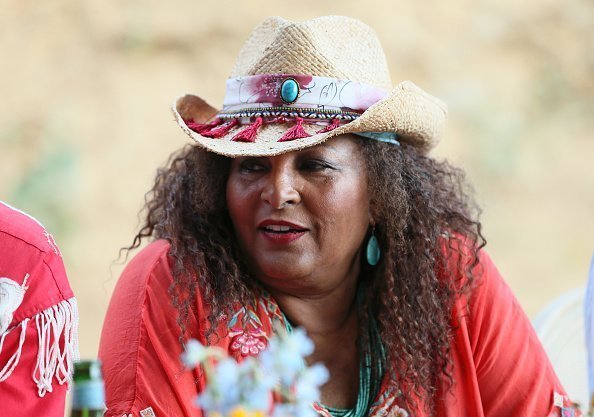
(368, 386)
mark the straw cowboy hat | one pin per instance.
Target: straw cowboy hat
(297, 84)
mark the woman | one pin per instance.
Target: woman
(319, 208)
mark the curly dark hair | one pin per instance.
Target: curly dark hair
(426, 223)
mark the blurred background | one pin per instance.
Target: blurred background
(85, 120)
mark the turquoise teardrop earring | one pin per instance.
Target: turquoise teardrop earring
(373, 250)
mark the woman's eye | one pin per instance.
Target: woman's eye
(251, 165)
(315, 165)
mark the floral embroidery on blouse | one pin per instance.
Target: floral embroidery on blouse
(247, 336)
(248, 342)
(271, 307)
(563, 407)
(385, 405)
(246, 330)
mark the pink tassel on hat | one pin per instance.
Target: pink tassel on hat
(220, 131)
(296, 132)
(331, 126)
(202, 127)
(249, 133)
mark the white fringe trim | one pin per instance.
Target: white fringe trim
(58, 320)
(14, 359)
(57, 325)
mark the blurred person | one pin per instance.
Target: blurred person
(38, 319)
(309, 200)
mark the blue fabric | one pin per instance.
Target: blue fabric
(388, 137)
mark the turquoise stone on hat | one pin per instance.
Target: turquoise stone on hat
(289, 90)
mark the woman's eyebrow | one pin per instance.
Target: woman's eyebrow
(325, 155)
(322, 149)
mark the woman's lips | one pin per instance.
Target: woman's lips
(281, 231)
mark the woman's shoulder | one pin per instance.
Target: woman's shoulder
(139, 345)
(468, 264)
(152, 261)
(145, 280)
(462, 260)
(149, 256)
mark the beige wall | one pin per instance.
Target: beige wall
(84, 118)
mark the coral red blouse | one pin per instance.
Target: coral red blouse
(500, 368)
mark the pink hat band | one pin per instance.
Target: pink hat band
(293, 95)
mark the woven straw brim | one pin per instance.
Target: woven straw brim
(415, 116)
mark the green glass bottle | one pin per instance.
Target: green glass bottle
(88, 396)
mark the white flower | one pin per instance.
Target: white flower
(307, 386)
(285, 355)
(250, 384)
(222, 393)
(195, 353)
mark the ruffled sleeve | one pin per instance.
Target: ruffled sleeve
(140, 347)
(514, 376)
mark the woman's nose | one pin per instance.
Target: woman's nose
(280, 189)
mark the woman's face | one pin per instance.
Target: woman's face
(301, 217)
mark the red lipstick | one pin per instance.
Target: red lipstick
(281, 231)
